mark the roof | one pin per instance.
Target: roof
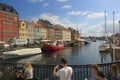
(33, 23)
(7, 8)
(66, 29)
(45, 23)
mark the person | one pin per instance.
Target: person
(101, 75)
(28, 70)
(109, 74)
(115, 72)
(1, 73)
(21, 75)
(65, 73)
(95, 69)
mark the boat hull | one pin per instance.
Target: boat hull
(21, 53)
(104, 48)
(52, 47)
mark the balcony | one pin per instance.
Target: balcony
(42, 72)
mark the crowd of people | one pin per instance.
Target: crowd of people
(97, 74)
(66, 72)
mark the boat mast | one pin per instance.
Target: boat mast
(105, 25)
(77, 31)
(113, 26)
(119, 26)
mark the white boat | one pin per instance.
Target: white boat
(104, 47)
(21, 53)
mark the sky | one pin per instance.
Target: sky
(87, 16)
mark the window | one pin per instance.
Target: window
(5, 15)
(10, 17)
(38, 30)
(15, 18)
(10, 23)
(23, 24)
(3, 22)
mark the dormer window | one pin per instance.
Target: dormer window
(23, 24)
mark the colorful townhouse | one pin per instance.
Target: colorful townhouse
(43, 32)
(38, 32)
(9, 19)
(75, 35)
(50, 31)
(23, 29)
(66, 35)
(58, 31)
(31, 31)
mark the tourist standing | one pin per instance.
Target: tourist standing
(65, 73)
(95, 69)
(28, 70)
(101, 75)
(115, 72)
(1, 73)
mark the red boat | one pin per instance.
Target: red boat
(53, 46)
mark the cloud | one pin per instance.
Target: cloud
(47, 16)
(85, 28)
(46, 4)
(33, 1)
(99, 29)
(67, 6)
(62, 0)
(54, 19)
(77, 13)
(96, 15)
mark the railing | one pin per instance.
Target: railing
(80, 72)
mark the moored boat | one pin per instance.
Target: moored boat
(87, 42)
(104, 47)
(20, 53)
(53, 45)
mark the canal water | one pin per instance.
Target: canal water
(86, 54)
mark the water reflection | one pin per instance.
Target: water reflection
(105, 57)
(32, 59)
(87, 54)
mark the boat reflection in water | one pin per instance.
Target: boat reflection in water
(104, 57)
(87, 54)
(54, 57)
(32, 59)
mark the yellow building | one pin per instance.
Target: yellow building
(23, 32)
(43, 32)
(66, 34)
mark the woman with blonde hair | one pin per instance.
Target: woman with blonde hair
(95, 69)
(28, 70)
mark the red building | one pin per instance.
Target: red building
(8, 23)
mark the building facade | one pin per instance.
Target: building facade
(9, 19)
(50, 34)
(49, 27)
(75, 35)
(31, 32)
(66, 35)
(43, 32)
(23, 30)
(38, 32)
(58, 32)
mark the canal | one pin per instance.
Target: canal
(86, 54)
